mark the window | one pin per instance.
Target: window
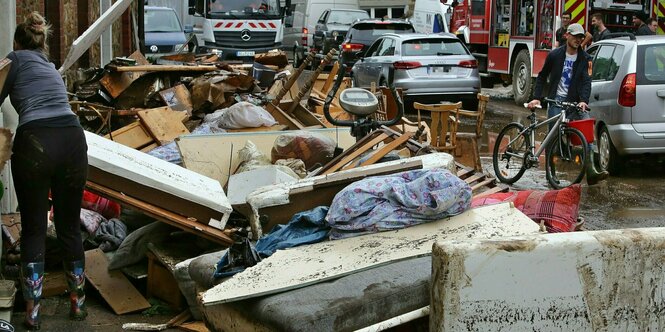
(380, 12)
(322, 19)
(387, 47)
(606, 65)
(432, 46)
(345, 17)
(370, 31)
(373, 50)
(397, 12)
(652, 63)
(477, 7)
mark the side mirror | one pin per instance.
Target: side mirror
(188, 28)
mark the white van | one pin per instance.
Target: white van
(431, 16)
(300, 24)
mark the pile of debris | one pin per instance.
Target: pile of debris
(219, 154)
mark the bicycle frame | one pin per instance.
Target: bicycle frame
(559, 119)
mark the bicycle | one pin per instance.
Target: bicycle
(566, 147)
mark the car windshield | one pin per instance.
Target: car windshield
(345, 17)
(161, 21)
(242, 8)
(433, 46)
(372, 31)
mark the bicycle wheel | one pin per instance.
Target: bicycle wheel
(509, 151)
(566, 159)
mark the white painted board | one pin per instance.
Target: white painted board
(610, 280)
(152, 172)
(309, 264)
(216, 155)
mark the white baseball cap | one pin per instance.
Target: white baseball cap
(575, 29)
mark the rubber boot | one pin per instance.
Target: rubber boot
(32, 279)
(75, 272)
(593, 176)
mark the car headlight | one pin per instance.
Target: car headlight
(178, 46)
(335, 34)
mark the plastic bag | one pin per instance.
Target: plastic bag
(311, 148)
(243, 115)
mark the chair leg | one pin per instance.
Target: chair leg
(476, 156)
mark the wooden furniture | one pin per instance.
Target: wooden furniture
(474, 137)
(445, 118)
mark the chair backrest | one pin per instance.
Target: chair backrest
(444, 120)
(482, 107)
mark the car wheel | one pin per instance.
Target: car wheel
(608, 158)
(193, 45)
(382, 82)
(522, 81)
(353, 80)
(314, 64)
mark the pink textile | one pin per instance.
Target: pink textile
(559, 209)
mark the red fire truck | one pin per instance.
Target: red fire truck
(511, 38)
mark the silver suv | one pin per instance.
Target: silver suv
(628, 98)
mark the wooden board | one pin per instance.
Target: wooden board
(115, 83)
(197, 326)
(5, 65)
(11, 228)
(155, 181)
(178, 98)
(163, 124)
(133, 135)
(215, 156)
(310, 264)
(113, 286)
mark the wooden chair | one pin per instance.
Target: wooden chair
(474, 137)
(443, 130)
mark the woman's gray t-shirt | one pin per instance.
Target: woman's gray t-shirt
(35, 87)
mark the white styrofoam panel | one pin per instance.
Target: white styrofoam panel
(583, 281)
(309, 264)
(153, 172)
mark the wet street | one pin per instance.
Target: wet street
(631, 199)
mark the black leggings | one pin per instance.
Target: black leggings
(52, 159)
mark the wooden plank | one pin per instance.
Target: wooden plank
(384, 150)
(163, 124)
(156, 181)
(11, 228)
(133, 135)
(163, 68)
(278, 127)
(354, 154)
(311, 264)
(91, 35)
(113, 286)
(5, 65)
(197, 326)
(216, 156)
(482, 184)
(178, 98)
(115, 83)
(173, 219)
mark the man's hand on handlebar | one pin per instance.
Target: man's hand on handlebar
(533, 104)
(583, 106)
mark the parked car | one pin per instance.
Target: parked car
(300, 24)
(363, 33)
(163, 32)
(434, 67)
(331, 29)
(628, 98)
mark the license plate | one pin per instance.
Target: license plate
(438, 70)
(245, 53)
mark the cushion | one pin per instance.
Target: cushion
(559, 209)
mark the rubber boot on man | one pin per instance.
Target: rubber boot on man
(592, 175)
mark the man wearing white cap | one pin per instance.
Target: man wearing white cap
(568, 70)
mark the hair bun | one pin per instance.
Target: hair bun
(35, 22)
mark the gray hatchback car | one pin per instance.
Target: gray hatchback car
(436, 67)
(628, 98)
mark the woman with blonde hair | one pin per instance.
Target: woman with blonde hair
(49, 154)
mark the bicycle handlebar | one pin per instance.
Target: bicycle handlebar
(350, 123)
(566, 104)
